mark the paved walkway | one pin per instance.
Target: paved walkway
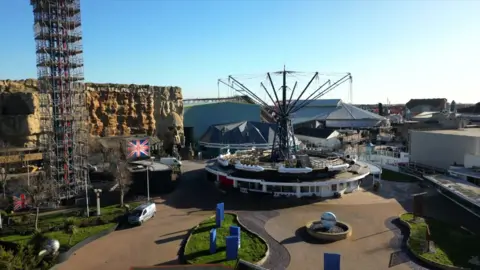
(375, 244)
(371, 246)
(278, 258)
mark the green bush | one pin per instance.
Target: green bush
(25, 258)
(37, 241)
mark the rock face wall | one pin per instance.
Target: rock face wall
(114, 109)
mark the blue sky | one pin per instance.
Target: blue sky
(395, 50)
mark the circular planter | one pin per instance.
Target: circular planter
(329, 237)
(185, 242)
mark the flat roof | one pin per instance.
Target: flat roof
(211, 103)
(156, 166)
(463, 189)
(470, 132)
(465, 171)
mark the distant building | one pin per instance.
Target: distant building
(417, 106)
(333, 113)
(200, 116)
(237, 136)
(443, 148)
(326, 138)
(475, 109)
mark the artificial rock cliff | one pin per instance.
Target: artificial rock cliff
(113, 109)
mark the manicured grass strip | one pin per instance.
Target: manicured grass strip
(81, 233)
(389, 175)
(453, 245)
(197, 250)
(61, 236)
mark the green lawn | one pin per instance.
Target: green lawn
(58, 219)
(197, 250)
(62, 237)
(389, 175)
(453, 246)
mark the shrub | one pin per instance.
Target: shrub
(37, 242)
(25, 258)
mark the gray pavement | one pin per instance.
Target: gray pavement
(375, 244)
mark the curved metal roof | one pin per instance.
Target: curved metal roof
(342, 111)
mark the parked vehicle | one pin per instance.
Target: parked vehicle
(170, 161)
(174, 163)
(142, 213)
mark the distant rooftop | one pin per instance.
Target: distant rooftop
(155, 166)
(466, 171)
(463, 189)
(469, 132)
(205, 101)
(434, 102)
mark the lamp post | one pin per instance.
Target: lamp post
(3, 173)
(148, 178)
(87, 179)
(98, 192)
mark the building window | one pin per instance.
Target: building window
(304, 189)
(288, 189)
(334, 187)
(341, 185)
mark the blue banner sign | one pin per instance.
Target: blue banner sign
(218, 217)
(232, 247)
(331, 261)
(222, 209)
(235, 231)
(213, 241)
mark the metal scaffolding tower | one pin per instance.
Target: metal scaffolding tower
(64, 140)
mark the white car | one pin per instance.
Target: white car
(142, 213)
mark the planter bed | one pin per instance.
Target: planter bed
(453, 246)
(196, 250)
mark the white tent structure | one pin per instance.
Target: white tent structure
(334, 113)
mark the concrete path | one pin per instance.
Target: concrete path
(373, 241)
(156, 242)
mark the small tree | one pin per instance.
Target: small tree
(119, 169)
(5, 165)
(40, 190)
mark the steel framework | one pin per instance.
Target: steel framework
(64, 141)
(285, 106)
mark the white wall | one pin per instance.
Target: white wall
(385, 159)
(441, 150)
(471, 161)
(330, 143)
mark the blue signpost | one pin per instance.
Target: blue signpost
(213, 241)
(331, 261)
(222, 209)
(219, 214)
(235, 231)
(218, 217)
(232, 247)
